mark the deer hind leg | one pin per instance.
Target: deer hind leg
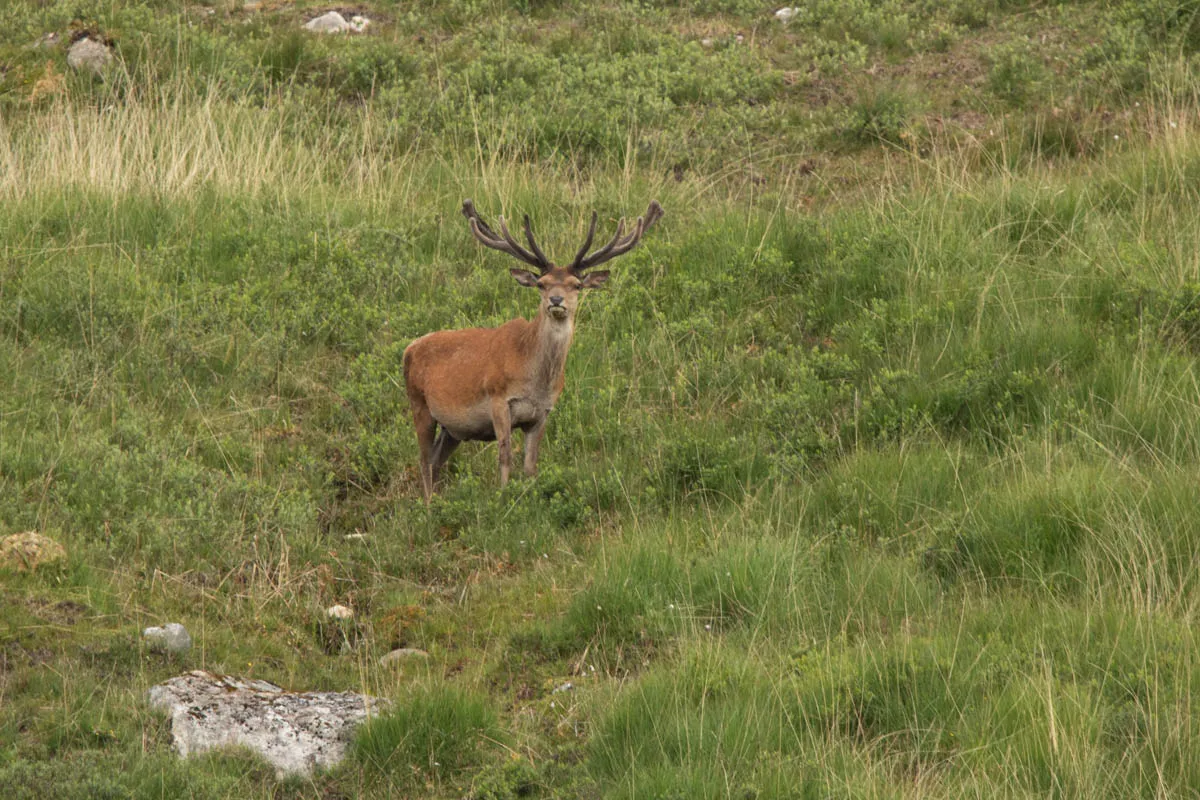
(425, 425)
(533, 440)
(502, 424)
(443, 446)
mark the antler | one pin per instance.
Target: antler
(617, 245)
(507, 244)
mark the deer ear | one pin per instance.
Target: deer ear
(594, 280)
(524, 277)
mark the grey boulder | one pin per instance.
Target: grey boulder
(294, 731)
(88, 54)
(172, 636)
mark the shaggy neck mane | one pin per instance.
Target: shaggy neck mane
(550, 342)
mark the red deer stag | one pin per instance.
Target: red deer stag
(480, 383)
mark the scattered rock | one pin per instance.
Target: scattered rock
(339, 612)
(785, 14)
(29, 550)
(89, 54)
(172, 637)
(739, 38)
(563, 687)
(334, 22)
(356, 537)
(293, 731)
(331, 22)
(401, 654)
(706, 42)
(46, 41)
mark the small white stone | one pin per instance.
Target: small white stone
(564, 687)
(403, 654)
(356, 537)
(706, 42)
(172, 636)
(359, 23)
(339, 612)
(785, 14)
(332, 22)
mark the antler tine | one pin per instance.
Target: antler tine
(507, 244)
(468, 211)
(520, 252)
(586, 243)
(618, 246)
(654, 213)
(602, 255)
(537, 251)
(485, 236)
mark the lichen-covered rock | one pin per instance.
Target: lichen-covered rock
(172, 636)
(294, 731)
(89, 54)
(28, 550)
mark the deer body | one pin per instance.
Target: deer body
(460, 372)
(481, 383)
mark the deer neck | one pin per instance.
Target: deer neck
(551, 343)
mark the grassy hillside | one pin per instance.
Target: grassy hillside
(875, 474)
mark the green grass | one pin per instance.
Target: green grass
(874, 472)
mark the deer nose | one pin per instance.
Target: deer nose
(556, 300)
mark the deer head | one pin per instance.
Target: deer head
(560, 286)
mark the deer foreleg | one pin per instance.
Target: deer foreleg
(533, 440)
(502, 423)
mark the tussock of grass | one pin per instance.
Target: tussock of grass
(437, 733)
